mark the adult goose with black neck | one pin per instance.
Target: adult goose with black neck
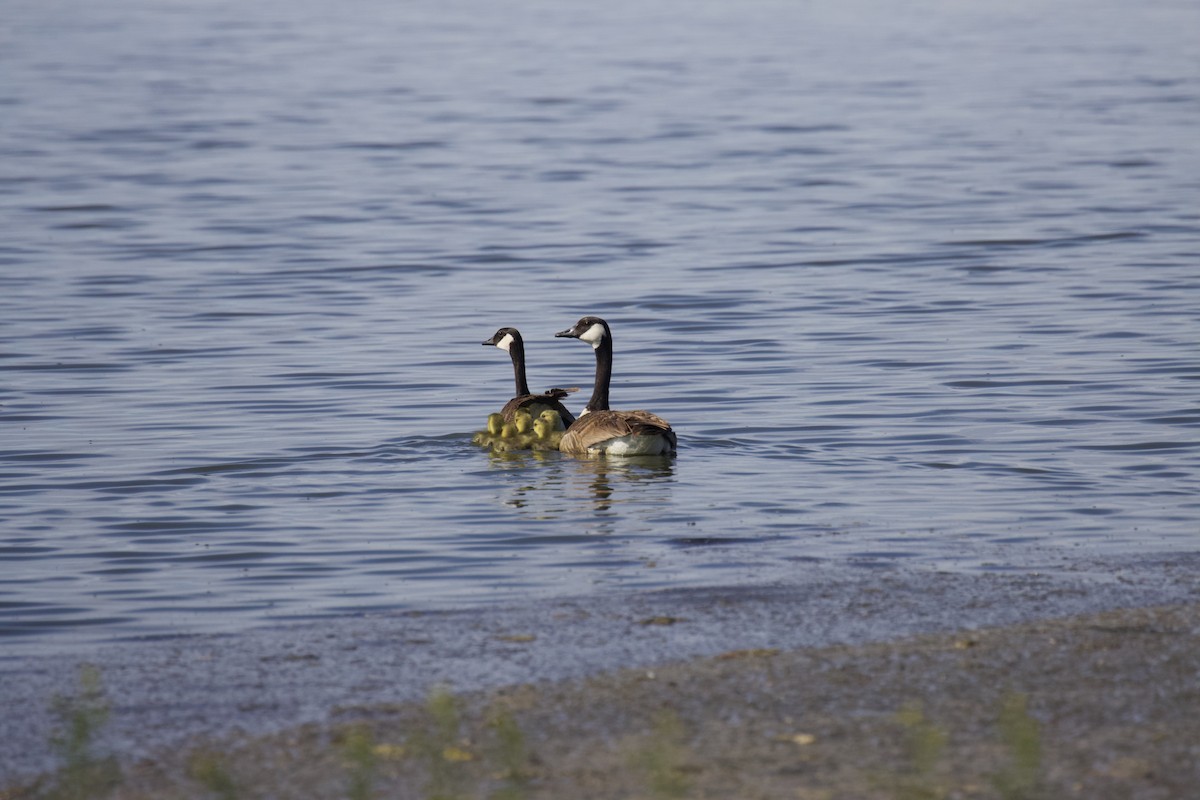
(600, 429)
(509, 340)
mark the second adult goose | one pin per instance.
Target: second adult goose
(509, 340)
(602, 430)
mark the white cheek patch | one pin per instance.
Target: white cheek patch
(593, 335)
(506, 342)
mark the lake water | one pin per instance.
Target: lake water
(917, 284)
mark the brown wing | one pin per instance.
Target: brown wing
(646, 418)
(599, 426)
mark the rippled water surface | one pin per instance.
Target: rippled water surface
(915, 284)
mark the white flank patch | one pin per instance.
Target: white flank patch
(634, 446)
(506, 342)
(593, 335)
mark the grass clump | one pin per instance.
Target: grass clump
(1021, 735)
(361, 759)
(442, 748)
(925, 743)
(206, 768)
(80, 716)
(661, 757)
(511, 757)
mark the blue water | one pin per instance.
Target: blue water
(916, 285)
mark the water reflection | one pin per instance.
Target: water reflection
(610, 482)
(597, 492)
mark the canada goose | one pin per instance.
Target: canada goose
(601, 430)
(509, 340)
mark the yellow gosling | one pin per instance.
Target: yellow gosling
(545, 435)
(510, 440)
(553, 419)
(485, 437)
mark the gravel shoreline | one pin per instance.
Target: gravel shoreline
(859, 646)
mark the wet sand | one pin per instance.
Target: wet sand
(802, 690)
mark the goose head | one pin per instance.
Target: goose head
(523, 420)
(503, 338)
(595, 332)
(592, 330)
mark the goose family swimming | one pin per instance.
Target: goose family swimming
(541, 422)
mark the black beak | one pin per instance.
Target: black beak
(569, 333)
(488, 343)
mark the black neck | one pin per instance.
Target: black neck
(599, 401)
(516, 351)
